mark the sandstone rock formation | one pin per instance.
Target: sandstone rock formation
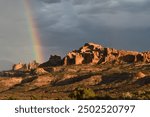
(94, 53)
(24, 67)
(139, 75)
(19, 67)
(89, 53)
(40, 71)
(54, 60)
(33, 65)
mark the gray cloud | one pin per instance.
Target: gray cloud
(68, 24)
(15, 40)
(115, 23)
(52, 1)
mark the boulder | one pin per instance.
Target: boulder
(40, 71)
(19, 67)
(139, 75)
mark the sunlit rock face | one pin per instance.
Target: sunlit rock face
(93, 53)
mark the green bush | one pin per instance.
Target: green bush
(82, 93)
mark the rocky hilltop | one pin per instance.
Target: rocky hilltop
(92, 53)
(91, 72)
(97, 54)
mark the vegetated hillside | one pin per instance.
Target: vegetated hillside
(92, 72)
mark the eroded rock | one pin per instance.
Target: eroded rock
(94, 53)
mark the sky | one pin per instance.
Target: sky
(65, 25)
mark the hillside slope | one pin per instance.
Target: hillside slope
(107, 74)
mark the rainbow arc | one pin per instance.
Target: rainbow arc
(34, 32)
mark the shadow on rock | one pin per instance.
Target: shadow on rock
(143, 81)
(27, 80)
(73, 80)
(116, 77)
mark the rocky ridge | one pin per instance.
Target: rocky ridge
(23, 67)
(117, 74)
(97, 54)
(90, 53)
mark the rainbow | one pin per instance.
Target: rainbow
(34, 32)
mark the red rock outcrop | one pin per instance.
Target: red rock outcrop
(24, 67)
(54, 60)
(89, 53)
(33, 65)
(19, 67)
(94, 53)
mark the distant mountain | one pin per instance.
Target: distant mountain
(5, 65)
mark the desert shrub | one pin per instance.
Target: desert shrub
(147, 96)
(12, 98)
(104, 97)
(141, 92)
(127, 95)
(143, 95)
(82, 93)
(34, 97)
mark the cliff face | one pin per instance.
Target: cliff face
(94, 53)
(90, 53)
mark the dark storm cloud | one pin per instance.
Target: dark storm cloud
(51, 1)
(46, 1)
(133, 6)
(113, 6)
(116, 23)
